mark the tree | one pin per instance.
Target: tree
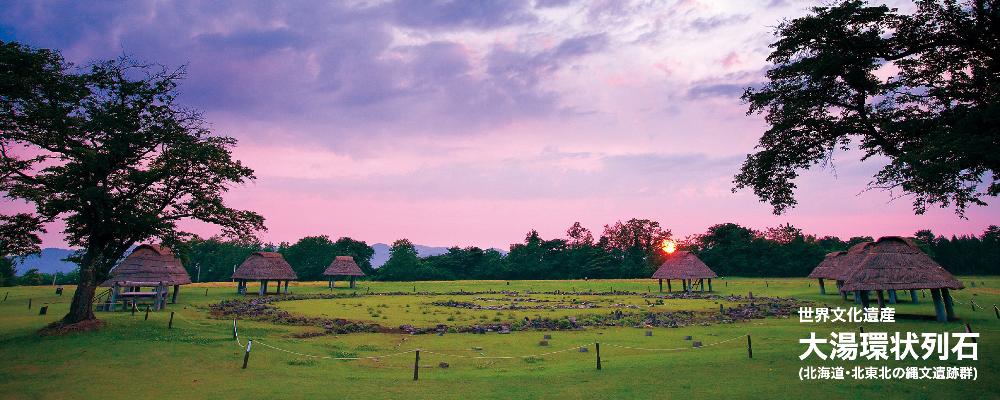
(919, 90)
(403, 262)
(310, 256)
(636, 243)
(18, 239)
(107, 150)
(360, 250)
(214, 259)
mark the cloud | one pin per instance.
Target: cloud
(705, 24)
(451, 14)
(727, 90)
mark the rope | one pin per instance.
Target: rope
(677, 348)
(330, 357)
(507, 357)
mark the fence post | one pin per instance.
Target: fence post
(5, 296)
(861, 329)
(43, 310)
(749, 347)
(29, 304)
(416, 365)
(996, 310)
(598, 348)
(246, 356)
(968, 329)
(234, 328)
(170, 324)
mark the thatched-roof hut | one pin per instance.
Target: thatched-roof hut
(148, 265)
(343, 266)
(687, 267)
(264, 266)
(829, 268)
(896, 263)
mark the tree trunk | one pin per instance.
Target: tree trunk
(82, 307)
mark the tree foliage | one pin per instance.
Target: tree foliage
(920, 90)
(107, 150)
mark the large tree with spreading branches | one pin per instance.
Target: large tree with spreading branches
(108, 151)
(919, 90)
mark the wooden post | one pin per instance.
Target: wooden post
(598, 348)
(29, 304)
(286, 287)
(857, 297)
(263, 287)
(822, 287)
(881, 298)
(709, 284)
(865, 301)
(968, 329)
(949, 306)
(892, 296)
(721, 310)
(5, 296)
(669, 289)
(996, 310)
(134, 308)
(173, 298)
(861, 329)
(234, 328)
(147, 313)
(416, 365)
(170, 323)
(749, 347)
(352, 281)
(43, 310)
(246, 356)
(938, 305)
(913, 296)
(702, 282)
(661, 285)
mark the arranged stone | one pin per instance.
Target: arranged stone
(543, 343)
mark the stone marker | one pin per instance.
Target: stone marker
(547, 337)
(583, 350)
(476, 348)
(687, 338)
(649, 333)
(696, 344)
(543, 343)
(443, 364)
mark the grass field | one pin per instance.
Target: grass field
(198, 358)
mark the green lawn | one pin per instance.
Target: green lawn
(132, 357)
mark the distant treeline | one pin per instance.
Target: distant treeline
(629, 249)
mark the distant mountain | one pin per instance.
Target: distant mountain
(48, 262)
(382, 252)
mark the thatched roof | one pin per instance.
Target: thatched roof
(150, 263)
(265, 265)
(847, 263)
(343, 266)
(895, 262)
(683, 265)
(829, 268)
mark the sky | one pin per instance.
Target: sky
(472, 122)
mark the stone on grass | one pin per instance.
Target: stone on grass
(543, 343)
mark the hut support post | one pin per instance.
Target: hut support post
(263, 288)
(949, 306)
(661, 285)
(938, 305)
(173, 299)
(330, 283)
(669, 289)
(709, 284)
(822, 288)
(333, 282)
(865, 301)
(892, 296)
(114, 297)
(702, 282)
(352, 281)
(840, 288)
(913, 296)
(286, 287)
(881, 298)
(857, 297)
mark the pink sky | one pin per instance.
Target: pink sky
(456, 126)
